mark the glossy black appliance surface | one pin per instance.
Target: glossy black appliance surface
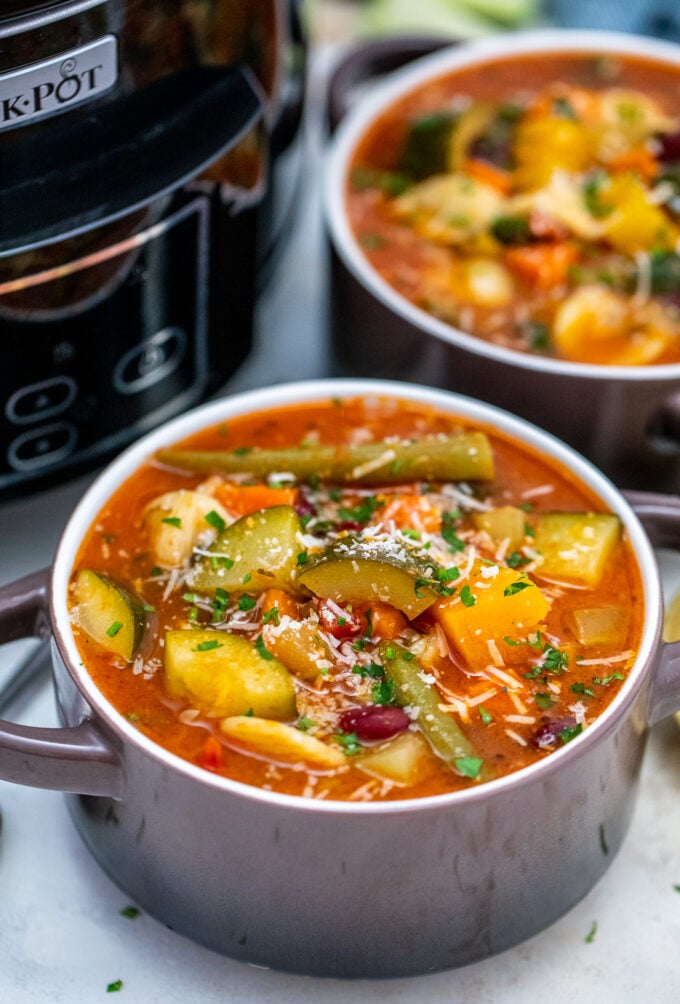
(148, 158)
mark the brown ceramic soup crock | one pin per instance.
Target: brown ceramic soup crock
(626, 419)
(337, 888)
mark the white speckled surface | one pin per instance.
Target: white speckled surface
(63, 939)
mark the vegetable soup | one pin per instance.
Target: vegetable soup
(535, 203)
(358, 599)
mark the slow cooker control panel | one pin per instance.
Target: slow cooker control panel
(103, 349)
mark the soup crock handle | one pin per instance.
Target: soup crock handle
(64, 759)
(371, 59)
(660, 516)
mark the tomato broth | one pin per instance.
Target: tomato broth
(433, 606)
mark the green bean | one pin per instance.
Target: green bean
(438, 727)
(466, 456)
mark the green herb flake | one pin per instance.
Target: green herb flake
(485, 715)
(555, 661)
(470, 766)
(130, 912)
(676, 887)
(302, 558)
(369, 623)
(114, 628)
(114, 987)
(372, 670)
(566, 735)
(242, 451)
(149, 608)
(580, 688)
(516, 560)
(341, 621)
(156, 571)
(172, 521)
(467, 598)
(262, 648)
(449, 534)
(362, 512)
(271, 616)
(419, 583)
(383, 692)
(304, 723)
(349, 742)
(215, 520)
(544, 700)
(590, 936)
(516, 587)
(246, 602)
(207, 646)
(603, 681)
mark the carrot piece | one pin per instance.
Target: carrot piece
(638, 159)
(211, 757)
(386, 621)
(286, 604)
(488, 174)
(410, 512)
(244, 499)
(542, 265)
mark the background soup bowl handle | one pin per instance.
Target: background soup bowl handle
(78, 759)
(371, 59)
(660, 516)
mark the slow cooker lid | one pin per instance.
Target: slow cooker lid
(123, 155)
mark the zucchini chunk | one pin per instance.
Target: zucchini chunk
(282, 743)
(505, 523)
(359, 570)
(427, 147)
(465, 456)
(438, 727)
(400, 761)
(575, 546)
(225, 674)
(110, 614)
(600, 625)
(255, 553)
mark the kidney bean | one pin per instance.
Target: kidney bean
(669, 147)
(304, 506)
(548, 734)
(374, 722)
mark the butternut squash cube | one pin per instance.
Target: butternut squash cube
(491, 606)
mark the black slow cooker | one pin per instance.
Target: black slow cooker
(148, 158)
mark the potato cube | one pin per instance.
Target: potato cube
(575, 546)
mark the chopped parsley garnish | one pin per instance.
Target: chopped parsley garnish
(544, 700)
(362, 512)
(220, 603)
(246, 602)
(349, 742)
(485, 715)
(114, 628)
(571, 731)
(302, 558)
(590, 936)
(207, 646)
(449, 534)
(470, 766)
(603, 681)
(467, 598)
(114, 987)
(511, 229)
(556, 661)
(341, 621)
(130, 912)
(536, 334)
(242, 451)
(419, 583)
(592, 195)
(383, 692)
(215, 520)
(172, 521)
(304, 724)
(156, 571)
(373, 669)
(580, 688)
(271, 616)
(516, 587)
(516, 560)
(246, 578)
(369, 622)
(262, 648)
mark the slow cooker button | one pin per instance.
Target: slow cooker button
(151, 361)
(43, 446)
(38, 401)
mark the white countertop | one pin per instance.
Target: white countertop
(63, 938)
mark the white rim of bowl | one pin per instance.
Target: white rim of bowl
(383, 95)
(264, 399)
